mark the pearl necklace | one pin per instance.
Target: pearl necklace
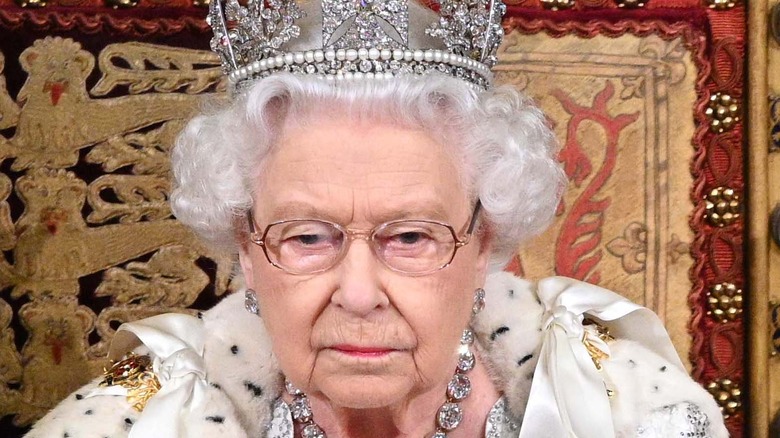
(448, 417)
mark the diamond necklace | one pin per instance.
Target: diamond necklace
(448, 417)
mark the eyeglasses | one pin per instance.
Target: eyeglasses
(311, 246)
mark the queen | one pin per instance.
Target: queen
(373, 183)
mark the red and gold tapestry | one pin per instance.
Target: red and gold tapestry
(91, 99)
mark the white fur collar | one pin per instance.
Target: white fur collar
(509, 334)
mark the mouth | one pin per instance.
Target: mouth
(363, 351)
(56, 89)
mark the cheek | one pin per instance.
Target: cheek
(438, 310)
(457, 284)
(440, 303)
(437, 301)
(289, 306)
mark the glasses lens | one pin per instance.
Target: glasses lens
(304, 246)
(414, 246)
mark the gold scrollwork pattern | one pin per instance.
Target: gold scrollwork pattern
(87, 237)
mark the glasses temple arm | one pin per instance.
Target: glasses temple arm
(474, 217)
(250, 220)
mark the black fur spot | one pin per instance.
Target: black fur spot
(501, 330)
(215, 385)
(79, 397)
(655, 388)
(511, 292)
(234, 349)
(216, 419)
(254, 389)
(200, 315)
(632, 363)
(663, 369)
(66, 435)
(88, 412)
(129, 421)
(525, 359)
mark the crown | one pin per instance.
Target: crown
(345, 39)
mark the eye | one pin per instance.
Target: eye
(306, 235)
(308, 239)
(405, 239)
(409, 237)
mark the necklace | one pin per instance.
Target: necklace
(448, 417)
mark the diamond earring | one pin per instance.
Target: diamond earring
(479, 301)
(250, 302)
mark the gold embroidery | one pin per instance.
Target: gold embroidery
(134, 374)
(592, 328)
(176, 68)
(100, 226)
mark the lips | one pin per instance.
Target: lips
(362, 351)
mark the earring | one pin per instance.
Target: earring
(250, 302)
(479, 301)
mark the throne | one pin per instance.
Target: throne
(646, 98)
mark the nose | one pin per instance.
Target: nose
(359, 289)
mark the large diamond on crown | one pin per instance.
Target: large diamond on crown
(365, 23)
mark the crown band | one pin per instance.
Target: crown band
(367, 63)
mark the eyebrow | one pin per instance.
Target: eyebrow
(298, 210)
(416, 210)
(411, 210)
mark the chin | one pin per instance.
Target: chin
(366, 392)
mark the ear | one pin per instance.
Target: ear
(245, 260)
(87, 319)
(86, 62)
(485, 242)
(28, 58)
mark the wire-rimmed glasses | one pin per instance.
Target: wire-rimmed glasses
(311, 246)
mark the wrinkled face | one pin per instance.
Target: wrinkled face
(360, 334)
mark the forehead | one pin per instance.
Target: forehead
(344, 170)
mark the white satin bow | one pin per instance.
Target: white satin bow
(568, 395)
(175, 342)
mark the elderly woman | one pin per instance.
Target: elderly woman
(369, 203)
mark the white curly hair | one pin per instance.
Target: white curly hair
(501, 139)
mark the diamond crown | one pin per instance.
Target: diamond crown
(346, 39)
